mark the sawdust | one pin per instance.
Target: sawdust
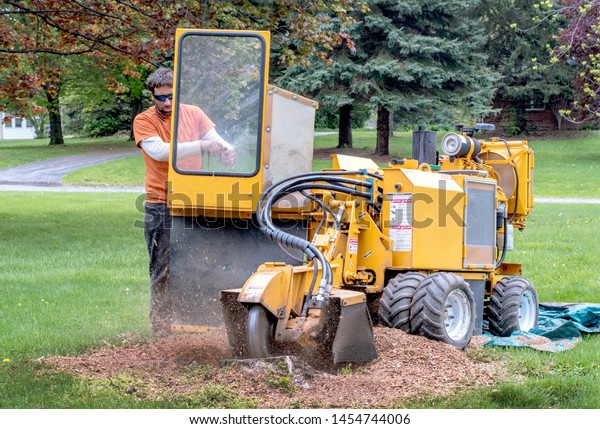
(408, 367)
(539, 340)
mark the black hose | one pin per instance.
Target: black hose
(313, 174)
(504, 241)
(301, 183)
(311, 179)
(311, 288)
(298, 176)
(289, 240)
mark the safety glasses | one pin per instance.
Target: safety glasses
(163, 97)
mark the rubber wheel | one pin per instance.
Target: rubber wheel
(259, 332)
(513, 306)
(443, 309)
(394, 305)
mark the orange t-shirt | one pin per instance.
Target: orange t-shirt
(193, 124)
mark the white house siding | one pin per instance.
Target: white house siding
(14, 130)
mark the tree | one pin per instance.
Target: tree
(143, 32)
(420, 59)
(44, 33)
(103, 95)
(579, 45)
(19, 95)
(331, 84)
(519, 46)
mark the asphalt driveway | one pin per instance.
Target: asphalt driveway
(47, 175)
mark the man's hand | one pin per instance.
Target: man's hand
(221, 149)
(211, 146)
(228, 153)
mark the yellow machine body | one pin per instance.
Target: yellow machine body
(361, 233)
(429, 220)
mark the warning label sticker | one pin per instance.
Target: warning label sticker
(256, 285)
(353, 246)
(401, 206)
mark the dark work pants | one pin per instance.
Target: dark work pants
(157, 228)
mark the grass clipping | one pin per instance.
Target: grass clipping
(408, 367)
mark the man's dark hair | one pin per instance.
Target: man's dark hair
(161, 77)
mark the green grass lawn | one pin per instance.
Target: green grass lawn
(74, 273)
(128, 171)
(560, 165)
(560, 251)
(567, 380)
(400, 143)
(568, 168)
(73, 264)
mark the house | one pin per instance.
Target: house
(16, 128)
(535, 118)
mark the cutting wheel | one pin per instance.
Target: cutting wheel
(259, 332)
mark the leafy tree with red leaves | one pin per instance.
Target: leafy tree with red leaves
(579, 45)
(43, 36)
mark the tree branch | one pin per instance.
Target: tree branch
(91, 43)
(45, 51)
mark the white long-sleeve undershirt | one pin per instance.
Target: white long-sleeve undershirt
(158, 150)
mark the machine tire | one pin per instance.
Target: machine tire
(259, 332)
(443, 309)
(394, 304)
(513, 306)
(373, 308)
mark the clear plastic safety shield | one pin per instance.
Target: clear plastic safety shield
(219, 101)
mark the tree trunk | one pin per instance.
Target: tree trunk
(383, 131)
(53, 97)
(559, 119)
(558, 103)
(391, 124)
(345, 127)
(136, 109)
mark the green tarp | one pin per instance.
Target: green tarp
(559, 328)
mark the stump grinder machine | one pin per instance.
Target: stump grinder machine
(296, 261)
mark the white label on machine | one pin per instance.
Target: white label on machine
(256, 285)
(401, 207)
(353, 246)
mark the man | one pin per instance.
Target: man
(152, 132)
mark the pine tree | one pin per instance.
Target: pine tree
(423, 60)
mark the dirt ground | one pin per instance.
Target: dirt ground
(408, 367)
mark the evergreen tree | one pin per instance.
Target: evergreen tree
(331, 82)
(423, 60)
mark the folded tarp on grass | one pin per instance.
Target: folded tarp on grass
(559, 328)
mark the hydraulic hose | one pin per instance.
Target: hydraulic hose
(301, 183)
(504, 243)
